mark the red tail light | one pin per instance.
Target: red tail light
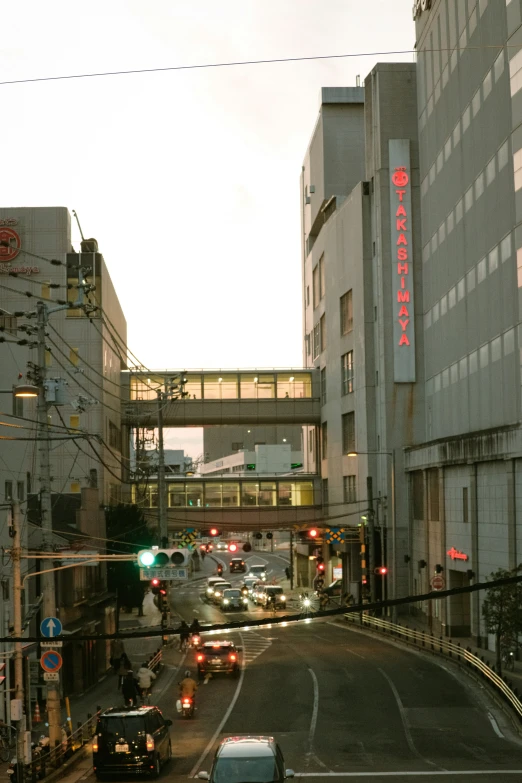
(95, 744)
(150, 742)
(233, 657)
(186, 701)
(200, 657)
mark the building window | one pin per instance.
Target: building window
(114, 436)
(322, 280)
(237, 446)
(418, 494)
(307, 344)
(311, 441)
(20, 491)
(465, 508)
(347, 373)
(433, 494)
(316, 286)
(324, 439)
(18, 406)
(316, 341)
(325, 492)
(323, 386)
(8, 490)
(349, 489)
(348, 423)
(346, 313)
(322, 331)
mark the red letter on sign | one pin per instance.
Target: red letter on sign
(401, 225)
(402, 240)
(404, 323)
(400, 194)
(401, 211)
(404, 340)
(404, 311)
(403, 296)
(402, 269)
(402, 254)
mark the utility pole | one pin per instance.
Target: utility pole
(162, 488)
(48, 585)
(291, 560)
(371, 536)
(17, 625)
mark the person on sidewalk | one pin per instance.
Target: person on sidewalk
(124, 667)
(130, 690)
(145, 678)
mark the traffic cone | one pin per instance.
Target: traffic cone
(36, 716)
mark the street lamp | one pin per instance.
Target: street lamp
(393, 520)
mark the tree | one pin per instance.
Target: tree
(127, 532)
(501, 612)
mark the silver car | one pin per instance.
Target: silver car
(233, 599)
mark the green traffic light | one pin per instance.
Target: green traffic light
(146, 559)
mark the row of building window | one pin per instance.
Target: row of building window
(436, 50)
(473, 193)
(229, 494)
(315, 342)
(503, 344)
(348, 434)
(349, 490)
(229, 385)
(476, 275)
(347, 377)
(9, 491)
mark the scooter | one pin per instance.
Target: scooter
(187, 707)
(195, 640)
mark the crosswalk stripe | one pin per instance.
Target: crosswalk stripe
(253, 646)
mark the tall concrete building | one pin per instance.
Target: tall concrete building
(361, 277)
(466, 477)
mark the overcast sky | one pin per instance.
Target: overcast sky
(188, 179)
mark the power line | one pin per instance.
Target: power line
(85, 362)
(89, 380)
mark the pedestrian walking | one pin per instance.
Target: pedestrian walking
(287, 572)
(130, 690)
(123, 668)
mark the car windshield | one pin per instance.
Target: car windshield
(232, 594)
(213, 651)
(274, 590)
(242, 770)
(257, 569)
(222, 586)
(115, 727)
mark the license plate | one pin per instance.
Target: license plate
(217, 661)
(122, 748)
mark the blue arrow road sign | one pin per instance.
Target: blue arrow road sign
(51, 661)
(51, 627)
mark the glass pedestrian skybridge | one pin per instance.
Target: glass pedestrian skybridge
(249, 396)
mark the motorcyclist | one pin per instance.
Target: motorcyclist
(195, 627)
(145, 677)
(188, 686)
(184, 635)
(219, 569)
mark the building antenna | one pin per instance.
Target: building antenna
(78, 221)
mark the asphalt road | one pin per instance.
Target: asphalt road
(342, 705)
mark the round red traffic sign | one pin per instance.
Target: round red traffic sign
(51, 661)
(437, 582)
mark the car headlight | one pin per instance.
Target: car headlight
(245, 600)
(209, 590)
(307, 602)
(282, 597)
(226, 601)
(216, 592)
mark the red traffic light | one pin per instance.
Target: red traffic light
(213, 531)
(313, 533)
(155, 582)
(320, 567)
(232, 547)
(382, 570)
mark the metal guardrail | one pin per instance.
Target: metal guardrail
(441, 646)
(46, 761)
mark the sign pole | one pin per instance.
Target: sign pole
(17, 623)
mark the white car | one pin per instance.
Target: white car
(222, 546)
(257, 570)
(219, 588)
(209, 587)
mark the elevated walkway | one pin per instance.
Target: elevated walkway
(219, 397)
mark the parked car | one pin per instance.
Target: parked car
(237, 564)
(248, 758)
(217, 595)
(335, 588)
(131, 740)
(233, 598)
(218, 657)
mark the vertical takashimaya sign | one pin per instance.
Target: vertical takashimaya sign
(402, 261)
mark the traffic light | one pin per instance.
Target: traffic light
(313, 532)
(269, 536)
(163, 558)
(214, 532)
(155, 585)
(247, 547)
(232, 547)
(381, 571)
(163, 600)
(319, 564)
(259, 536)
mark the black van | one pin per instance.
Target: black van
(131, 739)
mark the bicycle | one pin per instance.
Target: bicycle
(145, 695)
(184, 644)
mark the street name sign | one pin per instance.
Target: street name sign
(51, 645)
(146, 574)
(51, 661)
(51, 627)
(51, 677)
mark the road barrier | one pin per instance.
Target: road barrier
(445, 647)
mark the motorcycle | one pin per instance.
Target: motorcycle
(187, 707)
(195, 640)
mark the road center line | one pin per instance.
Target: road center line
(407, 732)
(226, 716)
(495, 725)
(315, 711)
(354, 653)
